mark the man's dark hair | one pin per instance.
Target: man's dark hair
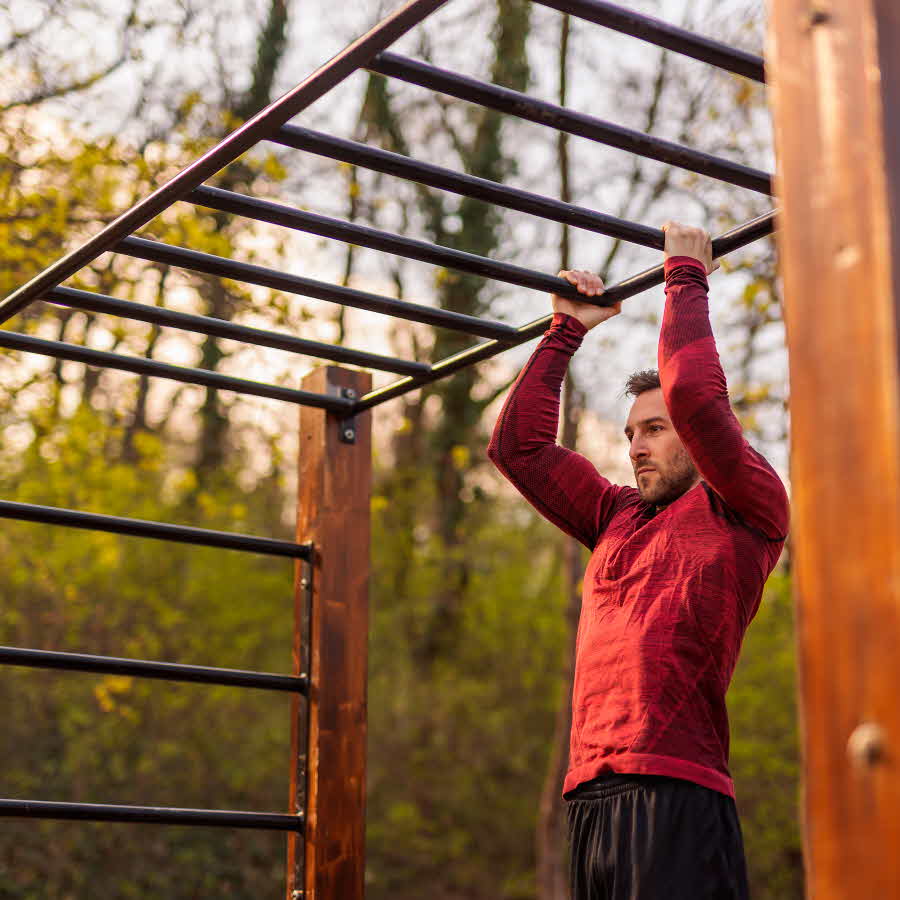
(641, 382)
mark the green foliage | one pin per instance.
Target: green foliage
(457, 760)
(456, 763)
(113, 739)
(764, 749)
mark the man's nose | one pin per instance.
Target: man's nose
(638, 449)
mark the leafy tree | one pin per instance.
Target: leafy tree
(765, 750)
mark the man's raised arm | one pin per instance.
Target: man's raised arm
(696, 393)
(562, 485)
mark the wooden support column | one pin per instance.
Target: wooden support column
(834, 66)
(330, 643)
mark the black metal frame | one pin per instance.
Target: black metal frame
(270, 124)
(515, 103)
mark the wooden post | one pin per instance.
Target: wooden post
(834, 66)
(329, 733)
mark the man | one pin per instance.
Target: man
(676, 574)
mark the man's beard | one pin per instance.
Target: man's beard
(670, 484)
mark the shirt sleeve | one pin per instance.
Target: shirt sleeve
(696, 396)
(562, 485)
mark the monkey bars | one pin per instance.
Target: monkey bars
(270, 124)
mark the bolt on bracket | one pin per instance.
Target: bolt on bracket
(347, 427)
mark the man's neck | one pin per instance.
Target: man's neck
(659, 507)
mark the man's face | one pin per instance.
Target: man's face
(655, 446)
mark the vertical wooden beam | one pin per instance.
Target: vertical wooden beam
(834, 66)
(329, 733)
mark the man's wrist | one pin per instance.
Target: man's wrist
(673, 262)
(567, 320)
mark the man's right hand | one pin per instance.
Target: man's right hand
(590, 285)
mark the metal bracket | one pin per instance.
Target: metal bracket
(306, 573)
(347, 427)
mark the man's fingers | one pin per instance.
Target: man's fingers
(593, 285)
(586, 282)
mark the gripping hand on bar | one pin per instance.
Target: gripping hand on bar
(681, 240)
(590, 285)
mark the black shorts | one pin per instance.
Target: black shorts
(651, 837)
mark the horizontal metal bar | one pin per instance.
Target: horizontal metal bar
(158, 315)
(140, 668)
(745, 233)
(731, 240)
(226, 151)
(467, 185)
(363, 235)
(518, 104)
(157, 815)
(14, 341)
(627, 21)
(156, 251)
(163, 531)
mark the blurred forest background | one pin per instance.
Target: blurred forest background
(474, 597)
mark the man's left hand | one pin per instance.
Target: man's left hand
(683, 240)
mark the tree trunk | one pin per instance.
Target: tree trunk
(456, 438)
(550, 836)
(212, 442)
(457, 435)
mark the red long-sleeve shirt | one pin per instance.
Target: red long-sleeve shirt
(667, 595)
